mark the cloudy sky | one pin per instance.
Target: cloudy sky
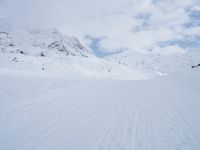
(110, 26)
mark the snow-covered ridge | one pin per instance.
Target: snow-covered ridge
(49, 52)
(52, 52)
(154, 62)
(40, 43)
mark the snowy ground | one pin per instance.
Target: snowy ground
(39, 112)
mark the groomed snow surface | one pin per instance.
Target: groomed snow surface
(44, 112)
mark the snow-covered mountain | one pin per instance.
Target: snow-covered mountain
(51, 51)
(157, 63)
(40, 43)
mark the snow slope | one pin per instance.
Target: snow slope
(54, 94)
(42, 112)
(69, 67)
(50, 52)
(49, 42)
(156, 62)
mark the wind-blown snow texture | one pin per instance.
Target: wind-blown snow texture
(45, 113)
(54, 94)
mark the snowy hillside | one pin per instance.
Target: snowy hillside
(40, 43)
(159, 63)
(70, 67)
(55, 94)
(48, 113)
(50, 52)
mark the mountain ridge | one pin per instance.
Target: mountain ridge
(50, 49)
(40, 42)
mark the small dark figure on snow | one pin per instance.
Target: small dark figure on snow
(196, 66)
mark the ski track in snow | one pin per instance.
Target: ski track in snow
(103, 115)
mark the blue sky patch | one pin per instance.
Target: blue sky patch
(187, 42)
(97, 50)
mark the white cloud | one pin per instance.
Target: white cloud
(124, 24)
(192, 31)
(169, 50)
